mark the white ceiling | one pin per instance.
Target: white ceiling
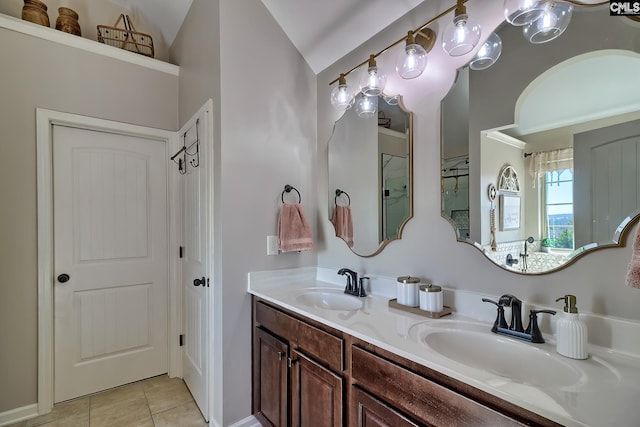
(326, 30)
(322, 30)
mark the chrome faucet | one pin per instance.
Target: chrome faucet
(515, 329)
(354, 287)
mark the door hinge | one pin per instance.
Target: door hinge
(181, 251)
(291, 361)
(181, 340)
(207, 282)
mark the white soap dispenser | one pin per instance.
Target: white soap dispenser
(571, 331)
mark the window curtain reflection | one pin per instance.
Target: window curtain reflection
(550, 161)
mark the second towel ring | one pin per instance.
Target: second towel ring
(338, 194)
(287, 189)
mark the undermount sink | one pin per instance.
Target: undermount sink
(514, 361)
(330, 299)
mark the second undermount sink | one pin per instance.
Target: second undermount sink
(330, 299)
(512, 360)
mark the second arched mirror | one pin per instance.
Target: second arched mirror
(371, 173)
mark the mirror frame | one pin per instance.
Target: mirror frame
(409, 216)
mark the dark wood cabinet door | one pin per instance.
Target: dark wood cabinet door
(316, 394)
(367, 411)
(270, 380)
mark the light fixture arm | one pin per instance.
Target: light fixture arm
(403, 39)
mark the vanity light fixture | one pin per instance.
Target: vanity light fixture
(488, 54)
(366, 106)
(374, 73)
(341, 96)
(374, 81)
(551, 24)
(462, 34)
(522, 12)
(413, 60)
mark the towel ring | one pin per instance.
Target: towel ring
(287, 189)
(339, 193)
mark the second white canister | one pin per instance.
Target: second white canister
(431, 298)
(408, 288)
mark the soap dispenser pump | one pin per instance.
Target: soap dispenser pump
(571, 331)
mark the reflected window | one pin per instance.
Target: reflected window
(558, 208)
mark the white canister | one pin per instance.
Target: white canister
(432, 296)
(408, 291)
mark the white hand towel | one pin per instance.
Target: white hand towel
(294, 233)
(633, 270)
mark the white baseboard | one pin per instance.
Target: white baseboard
(250, 421)
(19, 414)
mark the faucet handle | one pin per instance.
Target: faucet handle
(363, 282)
(500, 322)
(533, 329)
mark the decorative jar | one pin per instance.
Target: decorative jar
(68, 21)
(35, 11)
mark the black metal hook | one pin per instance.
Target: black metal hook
(338, 194)
(287, 189)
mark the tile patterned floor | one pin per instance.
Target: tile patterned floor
(159, 401)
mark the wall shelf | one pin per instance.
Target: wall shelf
(55, 36)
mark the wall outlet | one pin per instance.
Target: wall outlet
(272, 245)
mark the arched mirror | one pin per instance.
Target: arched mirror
(564, 120)
(370, 173)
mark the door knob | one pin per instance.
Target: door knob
(199, 282)
(63, 278)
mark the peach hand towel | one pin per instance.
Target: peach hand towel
(294, 233)
(343, 223)
(633, 270)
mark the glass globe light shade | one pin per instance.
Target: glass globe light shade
(461, 35)
(522, 12)
(413, 60)
(374, 81)
(488, 53)
(341, 96)
(551, 24)
(367, 106)
(391, 100)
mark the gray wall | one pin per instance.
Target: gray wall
(266, 118)
(428, 248)
(38, 73)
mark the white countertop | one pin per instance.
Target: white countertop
(606, 394)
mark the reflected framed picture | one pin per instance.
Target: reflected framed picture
(509, 212)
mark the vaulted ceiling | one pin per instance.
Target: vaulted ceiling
(322, 30)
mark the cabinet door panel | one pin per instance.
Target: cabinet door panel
(270, 382)
(316, 394)
(366, 411)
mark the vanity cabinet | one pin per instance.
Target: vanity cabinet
(297, 371)
(308, 374)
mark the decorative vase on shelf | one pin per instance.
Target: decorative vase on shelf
(68, 21)
(35, 11)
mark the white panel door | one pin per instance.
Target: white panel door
(196, 283)
(110, 238)
(606, 180)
